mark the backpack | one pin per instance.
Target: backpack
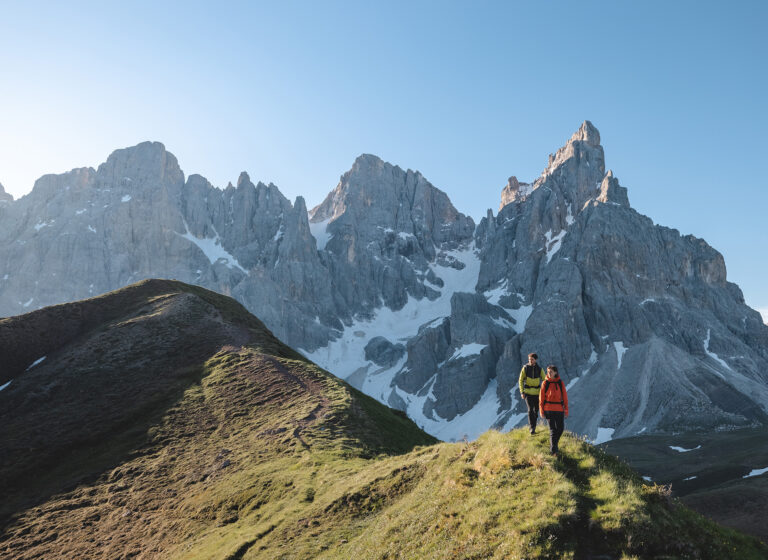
(561, 402)
(533, 371)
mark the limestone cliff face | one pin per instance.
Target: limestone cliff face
(384, 226)
(388, 285)
(640, 318)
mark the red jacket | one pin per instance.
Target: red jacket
(552, 393)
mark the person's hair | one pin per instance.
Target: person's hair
(533, 355)
(552, 367)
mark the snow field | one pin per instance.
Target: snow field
(346, 355)
(211, 248)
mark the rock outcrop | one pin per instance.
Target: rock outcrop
(4, 196)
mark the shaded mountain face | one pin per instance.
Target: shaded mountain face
(388, 286)
(165, 421)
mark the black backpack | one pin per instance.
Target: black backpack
(532, 371)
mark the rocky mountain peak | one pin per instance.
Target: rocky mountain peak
(4, 196)
(364, 161)
(369, 178)
(583, 146)
(587, 133)
(147, 163)
(375, 198)
(243, 180)
(299, 205)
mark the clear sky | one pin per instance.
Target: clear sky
(467, 93)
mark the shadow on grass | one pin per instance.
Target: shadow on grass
(578, 534)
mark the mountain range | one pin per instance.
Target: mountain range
(390, 287)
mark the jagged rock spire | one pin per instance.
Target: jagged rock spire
(514, 191)
(611, 191)
(587, 133)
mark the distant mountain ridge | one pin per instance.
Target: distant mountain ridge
(387, 285)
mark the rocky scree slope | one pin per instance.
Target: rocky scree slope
(167, 422)
(391, 288)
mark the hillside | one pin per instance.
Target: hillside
(167, 422)
(719, 474)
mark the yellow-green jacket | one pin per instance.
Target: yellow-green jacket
(531, 385)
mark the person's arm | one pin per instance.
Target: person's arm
(522, 382)
(541, 401)
(565, 399)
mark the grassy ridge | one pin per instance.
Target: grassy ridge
(198, 435)
(248, 466)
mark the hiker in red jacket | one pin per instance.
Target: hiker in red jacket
(553, 405)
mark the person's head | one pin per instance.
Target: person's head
(552, 370)
(532, 359)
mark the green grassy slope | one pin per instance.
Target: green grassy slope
(178, 427)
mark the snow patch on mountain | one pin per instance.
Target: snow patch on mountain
(603, 435)
(683, 449)
(211, 247)
(346, 354)
(467, 350)
(36, 362)
(319, 231)
(494, 295)
(521, 315)
(468, 425)
(756, 472)
(620, 350)
(712, 355)
(553, 243)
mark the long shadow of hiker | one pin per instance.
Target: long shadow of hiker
(578, 533)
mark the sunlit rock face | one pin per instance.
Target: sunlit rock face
(387, 285)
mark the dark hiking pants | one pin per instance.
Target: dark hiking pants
(556, 427)
(533, 410)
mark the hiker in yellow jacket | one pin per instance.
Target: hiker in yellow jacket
(531, 377)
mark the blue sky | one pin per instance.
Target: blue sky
(468, 93)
